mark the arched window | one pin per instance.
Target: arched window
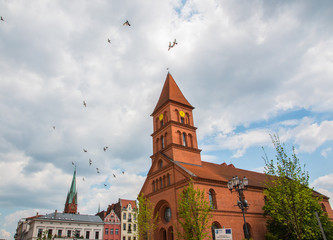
(177, 114)
(157, 145)
(190, 140)
(161, 183)
(154, 186)
(165, 116)
(162, 142)
(184, 140)
(165, 139)
(164, 184)
(212, 199)
(156, 124)
(187, 119)
(215, 225)
(180, 136)
(169, 180)
(182, 120)
(160, 163)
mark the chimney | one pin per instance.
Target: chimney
(36, 213)
(55, 213)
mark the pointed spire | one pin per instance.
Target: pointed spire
(71, 200)
(171, 92)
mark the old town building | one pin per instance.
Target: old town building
(125, 213)
(66, 225)
(112, 224)
(176, 158)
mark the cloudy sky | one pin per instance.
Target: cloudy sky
(250, 68)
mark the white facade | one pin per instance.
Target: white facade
(129, 226)
(61, 226)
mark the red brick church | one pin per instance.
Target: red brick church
(176, 158)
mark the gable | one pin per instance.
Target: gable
(163, 175)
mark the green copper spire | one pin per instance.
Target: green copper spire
(72, 192)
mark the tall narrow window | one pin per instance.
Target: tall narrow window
(181, 120)
(162, 142)
(169, 182)
(96, 235)
(161, 183)
(212, 199)
(87, 234)
(184, 139)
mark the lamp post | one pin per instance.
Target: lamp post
(240, 185)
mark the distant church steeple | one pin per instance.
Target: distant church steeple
(174, 132)
(71, 201)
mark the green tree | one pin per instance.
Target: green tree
(194, 213)
(146, 221)
(290, 203)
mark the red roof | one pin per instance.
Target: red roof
(224, 172)
(125, 202)
(171, 92)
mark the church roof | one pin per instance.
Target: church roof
(224, 172)
(171, 92)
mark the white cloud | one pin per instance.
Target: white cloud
(4, 234)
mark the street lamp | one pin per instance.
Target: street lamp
(240, 185)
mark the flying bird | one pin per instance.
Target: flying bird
(114, 176)
(109, 41)
(105, 185)
(82, 179)
(53, 127)
(170, 46)
(126, 23)
(2, 19)
(90, 162)
(174, 43)
(84, 104)
(84, 150)
(97, 170)
(123, 172)
(105, 148)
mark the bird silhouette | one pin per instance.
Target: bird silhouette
(90, 162)
(73, 163)
(84, 104)
(170, 46)
(126, 23)
(114, 176)
(97, 170)
(2, 19)
(123, 172)
(84, 150)
(109, 41)
(105, 148)
(105, 185)
(53, 127)
(174, 43)
(82, 179)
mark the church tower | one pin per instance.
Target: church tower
(71, 201)
(174, 132)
